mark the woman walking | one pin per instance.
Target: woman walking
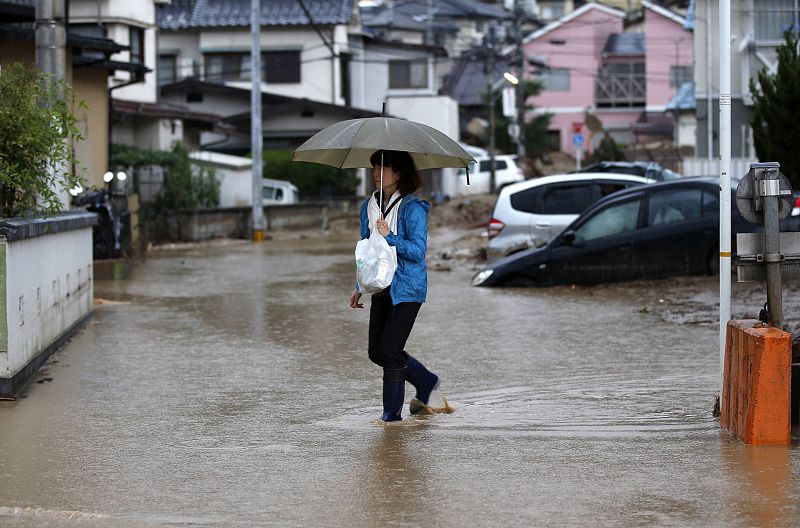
(402, 219)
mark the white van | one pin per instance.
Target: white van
(506, 172)
(278, 192)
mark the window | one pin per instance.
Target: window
(486, 165)
(710, 204)
(137, 45)
(554, 79)
(167, 69)
(669, 207)
(408, 74)
(220, 66)
(608, 188)
(281, 67)
(277, 67)
(572, 199)
(614, 220)
(527, 201)
(679, 75)
(772, 18)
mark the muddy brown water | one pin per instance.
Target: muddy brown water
(229, 386)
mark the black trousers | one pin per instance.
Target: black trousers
(389, 328)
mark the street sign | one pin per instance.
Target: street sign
(577, 140)
(509, 102)
(748, 196)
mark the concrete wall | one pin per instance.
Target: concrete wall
(46, 288)
(91, 86)
(235, 222)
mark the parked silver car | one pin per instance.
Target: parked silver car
(531, 213)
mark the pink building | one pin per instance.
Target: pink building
(624, 76)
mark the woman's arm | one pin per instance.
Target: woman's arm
(415, 243)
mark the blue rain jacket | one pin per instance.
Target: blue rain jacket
(410, 283)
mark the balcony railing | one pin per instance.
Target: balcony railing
(620, 89)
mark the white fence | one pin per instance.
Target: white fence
(710, 167)
(46, 290)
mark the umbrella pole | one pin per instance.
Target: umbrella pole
(381, 191)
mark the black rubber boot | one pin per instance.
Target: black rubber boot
(394, 389)
(423, 380)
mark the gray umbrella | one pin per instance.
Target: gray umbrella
(349, 144)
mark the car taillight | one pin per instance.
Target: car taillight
(494, 228)
(797, 202)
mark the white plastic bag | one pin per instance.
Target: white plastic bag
(376, 262)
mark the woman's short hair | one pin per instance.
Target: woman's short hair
(402, 162)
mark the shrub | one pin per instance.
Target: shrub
(37, 134)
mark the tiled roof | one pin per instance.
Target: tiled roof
(181, 14)
(466, 82)
(684, 99)
(624, 44)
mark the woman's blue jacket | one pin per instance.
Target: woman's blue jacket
(410, 283)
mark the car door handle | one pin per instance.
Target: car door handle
(542, 224)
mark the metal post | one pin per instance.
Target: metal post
(769, 189)
(521, 84)
(490, 102)
(709, 77)
(257, 139)
(725, 179)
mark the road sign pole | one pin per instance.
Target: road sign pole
(769, 190)
(578, 158)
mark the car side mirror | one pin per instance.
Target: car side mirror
(568, 237)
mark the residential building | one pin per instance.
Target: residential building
(301, 58)
(625, 78)
(90, 63)
(757, 28)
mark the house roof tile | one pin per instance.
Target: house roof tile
(683, 99)
(182, 14)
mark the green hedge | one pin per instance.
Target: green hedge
(311, 179)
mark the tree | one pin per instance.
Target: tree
(775, 97)
(37, 135)
(537, 140)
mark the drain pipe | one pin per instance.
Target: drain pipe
(51, 54)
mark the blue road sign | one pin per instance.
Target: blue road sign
(577, 140)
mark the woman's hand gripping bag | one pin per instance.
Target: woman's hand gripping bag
(376, 262)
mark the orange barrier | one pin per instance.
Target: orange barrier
(756, 383)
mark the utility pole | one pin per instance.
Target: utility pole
(518, 14)
(257, 139)
(489, 71)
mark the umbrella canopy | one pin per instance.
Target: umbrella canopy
(349, 144)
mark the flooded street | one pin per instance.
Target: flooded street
(229, 385)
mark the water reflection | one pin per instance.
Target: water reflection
(393, 477)
(760, 479)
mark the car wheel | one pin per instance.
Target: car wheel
(712, 262)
